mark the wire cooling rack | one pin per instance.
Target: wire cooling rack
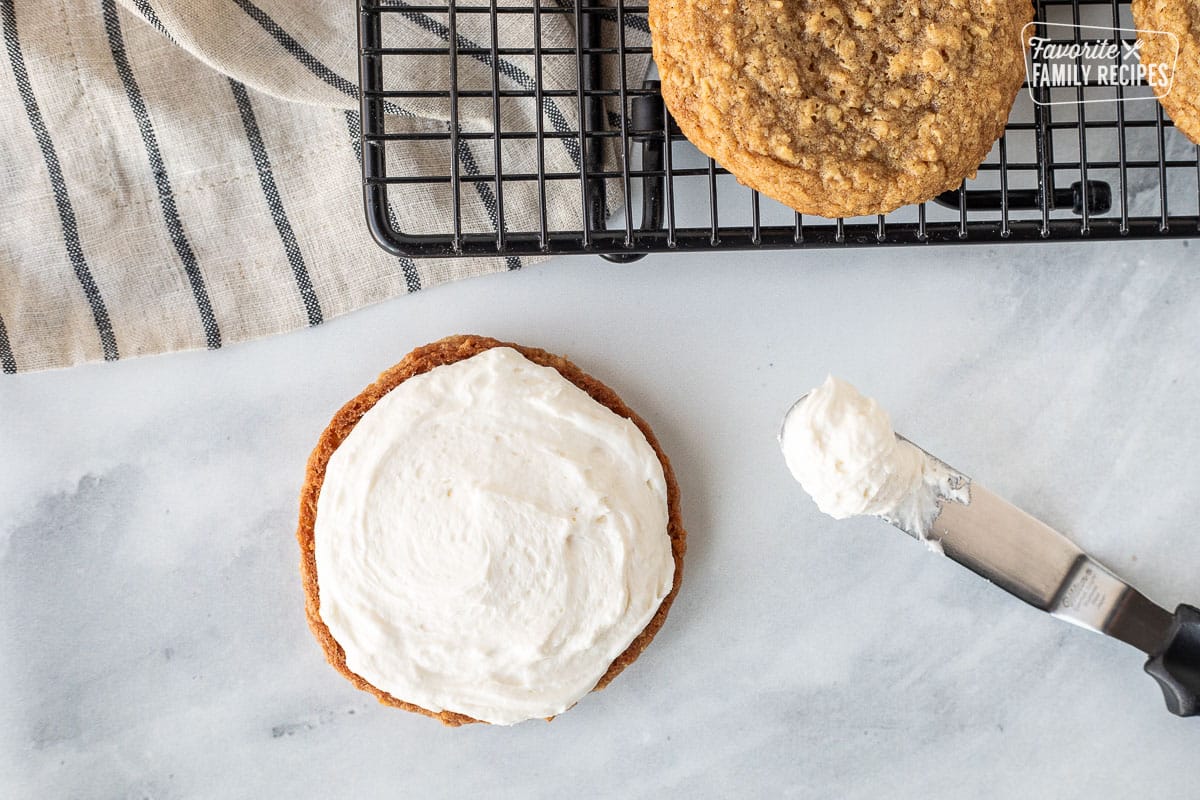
(1110, 168)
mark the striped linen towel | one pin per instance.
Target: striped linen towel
(179, 174)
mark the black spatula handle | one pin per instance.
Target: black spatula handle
(1176, 666)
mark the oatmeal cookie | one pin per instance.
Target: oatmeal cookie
(1182, 18)
(448, 351)
(842, 107)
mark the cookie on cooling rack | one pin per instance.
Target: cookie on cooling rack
(487, 534)
(1181, 99)
(842, 107)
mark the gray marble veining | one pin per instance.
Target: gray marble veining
(151, 611)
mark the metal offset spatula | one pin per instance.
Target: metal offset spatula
(1023, 555)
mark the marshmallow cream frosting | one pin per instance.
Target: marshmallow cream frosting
(489, 539)
(840, 446)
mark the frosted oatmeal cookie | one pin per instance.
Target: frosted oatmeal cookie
(1181, 98)
(487, 534)
(842, 107)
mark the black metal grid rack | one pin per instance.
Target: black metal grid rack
(1114, 169)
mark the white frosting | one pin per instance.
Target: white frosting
(489, 539)
(840, 446)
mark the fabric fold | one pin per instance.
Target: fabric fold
(182, 175)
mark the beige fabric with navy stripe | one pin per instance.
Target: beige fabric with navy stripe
(180, 174)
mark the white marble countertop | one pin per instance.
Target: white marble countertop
(154, 642)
